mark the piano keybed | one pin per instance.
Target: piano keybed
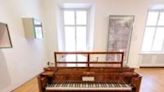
(94, 76)
(89, 86)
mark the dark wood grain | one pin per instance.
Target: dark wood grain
(101, 74)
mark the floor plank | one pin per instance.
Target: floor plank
(152, 80)
(30, 86)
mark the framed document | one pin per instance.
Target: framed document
(5, 41)
(119, 34)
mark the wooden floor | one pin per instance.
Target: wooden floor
(30, 86)
(152, 81)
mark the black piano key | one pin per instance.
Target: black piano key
(69, 85)
(110, 84)
(52, 85)
(62, 85)
(123, 85)
(78, 85)
(96, 85)
(102, 85)
(83, 85)
(75, 84)
(57, 85)
(105, 85)
(99, 84)
(118, 84)
(89, 85)
(115, 85)
(65, 84)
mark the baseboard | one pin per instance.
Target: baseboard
(151, 66)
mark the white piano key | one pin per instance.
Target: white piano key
(86, 86)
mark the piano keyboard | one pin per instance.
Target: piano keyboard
(88, 86)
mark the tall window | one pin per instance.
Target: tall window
(154, 32)
(75, 30)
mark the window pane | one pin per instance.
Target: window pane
(38, 32)
(71, 58)
(81, 17)
(70, 38)
(37, 22)
(81, 38)
(152, 18)
(82, 58)
(159, 39)
(161, 19)
(148, 38)
(69, 17)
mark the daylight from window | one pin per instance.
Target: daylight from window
(153, 40)
(75, 29)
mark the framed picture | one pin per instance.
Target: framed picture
(119, 34)
(5, 41)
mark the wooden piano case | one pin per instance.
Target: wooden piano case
(106, 73)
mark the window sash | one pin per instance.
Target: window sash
(153, 47)
(75, 25)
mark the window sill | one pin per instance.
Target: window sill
(151, 53)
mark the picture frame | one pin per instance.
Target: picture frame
(119, 34)
(5, 40)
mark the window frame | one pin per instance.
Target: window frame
(75, 25)
(156, 26)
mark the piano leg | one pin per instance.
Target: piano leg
(136, 81)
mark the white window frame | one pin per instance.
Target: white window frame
(87, 25)
(154, 26)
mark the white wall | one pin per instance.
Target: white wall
(103, 8)
(50, 26)
(26, 58)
